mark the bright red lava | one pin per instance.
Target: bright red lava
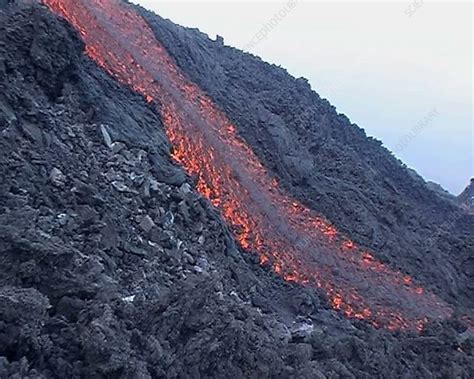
(300, 245)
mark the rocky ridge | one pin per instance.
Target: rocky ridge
(330, 165)
(466, 197)
(112, 264)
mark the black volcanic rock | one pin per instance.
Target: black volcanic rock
(466, 197)
(105, 273)
(328, 163)
(436, 187)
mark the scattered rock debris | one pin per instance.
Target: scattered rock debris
(113, 266)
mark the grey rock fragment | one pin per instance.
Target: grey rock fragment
(62, 219)
(120, 186)
(129, 299)
(220, 40)
(154, 185)
(142, 154)
(168, 219)
(57, 178)
(135, 250)
(301, 331)
(106, 136)
(146, 224)
(188, 258)
(184, 209)
(202, 266)
(33, 132)
(6, 114)
(164, 238)
(117, 147)
(185, 190)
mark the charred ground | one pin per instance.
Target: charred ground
(113, 266)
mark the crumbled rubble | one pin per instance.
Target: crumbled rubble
(331, 165)
(114, 266)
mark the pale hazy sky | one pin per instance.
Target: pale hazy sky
(400, 70)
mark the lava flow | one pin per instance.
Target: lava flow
(300, 245)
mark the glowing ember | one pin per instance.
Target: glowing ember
(298, 244)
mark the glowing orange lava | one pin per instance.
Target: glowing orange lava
(299, 244)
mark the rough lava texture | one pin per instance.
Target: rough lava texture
(330, 164)
(466, 197)
(113, 266)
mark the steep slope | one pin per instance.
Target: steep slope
(114, 266)
(299, 244)
(466, 197)
(108, 258)
(330, 165)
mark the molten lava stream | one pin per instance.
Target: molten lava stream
(300, 245)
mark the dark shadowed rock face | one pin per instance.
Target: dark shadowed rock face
(329, 163)
(466, 197)
(113, 266)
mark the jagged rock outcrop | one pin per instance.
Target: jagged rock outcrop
(330, 164)
(466, 197)
(112, 265)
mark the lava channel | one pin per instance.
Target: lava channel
(300, 245)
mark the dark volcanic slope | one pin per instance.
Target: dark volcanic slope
(113, 266)
(330, 164)
(466, 197)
